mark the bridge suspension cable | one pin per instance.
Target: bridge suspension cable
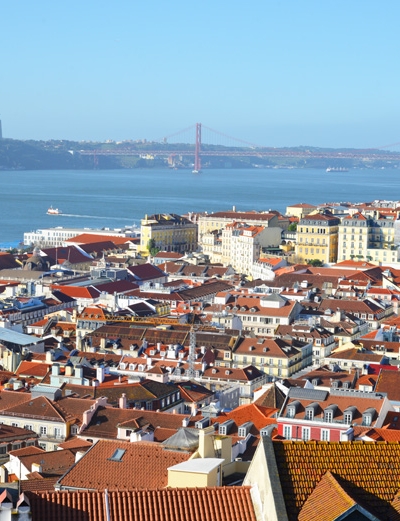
(179, 132)
(252, 145)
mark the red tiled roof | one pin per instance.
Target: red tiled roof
(142, 465)
(371, 468)
(214, 504)
(78, 291)
(327, 502)
(258, 415)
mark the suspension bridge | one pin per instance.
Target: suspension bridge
(199, 142)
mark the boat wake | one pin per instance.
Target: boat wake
(98, 217)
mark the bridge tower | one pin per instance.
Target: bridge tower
(197, 159)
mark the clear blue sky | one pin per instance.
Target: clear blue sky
(274, 73)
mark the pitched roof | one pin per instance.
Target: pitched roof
(217, 504)
(328, 501)
(54, 463)
(142, 465)
(371, 468)
(389, 383)
(40, 407)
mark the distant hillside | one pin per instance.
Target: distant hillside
(63, 155)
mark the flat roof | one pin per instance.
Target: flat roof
(6, 335)
(198, 465)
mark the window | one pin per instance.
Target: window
(291, 411)
(287, 432)
(43, 430)
(42, 446)
(325, 434)
(117, 456)
(309, 413)
(328, 416)
(57, 432)
(305, 434)
(14, 424)
(348, 417)
(28, 427)
(3, 449)
(74, 429)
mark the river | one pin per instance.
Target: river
(118, 198)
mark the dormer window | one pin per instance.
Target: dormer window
(368, 416)
(310, 411)
(315, 381)
(329, 413)
(292, 409)
(348, 415)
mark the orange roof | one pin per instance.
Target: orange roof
(371, 468)
(98, 471)
(329, 488)
(88, 238)
(258, 415)
(217, 503)
(77, 291)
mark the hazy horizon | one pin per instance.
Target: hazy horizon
(319, 74)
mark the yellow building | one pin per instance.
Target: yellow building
(317, 237)
(168, 232)
(300, 210)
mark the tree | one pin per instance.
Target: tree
(292, 227)
(315, 262)
(151, 247)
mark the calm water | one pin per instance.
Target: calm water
(117, 198)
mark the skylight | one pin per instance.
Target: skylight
(117, 456)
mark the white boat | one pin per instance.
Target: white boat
(337, 169)
(53, 211)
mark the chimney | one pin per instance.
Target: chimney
(55, 369)
(79, 371)
(49, 356)
(100, 374)
(36, 467)
(79, 455)
(23, 505)
(123, 402)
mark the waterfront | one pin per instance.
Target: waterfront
(116, 198)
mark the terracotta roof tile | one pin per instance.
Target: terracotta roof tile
(371, 467)
(142, 465)
(216, 504)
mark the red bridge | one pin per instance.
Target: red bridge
(199, 150)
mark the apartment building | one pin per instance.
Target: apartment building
(168, 232)
(242, 244)
(317, 237)
(277, 357)
(370, 236)
(219, 220)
